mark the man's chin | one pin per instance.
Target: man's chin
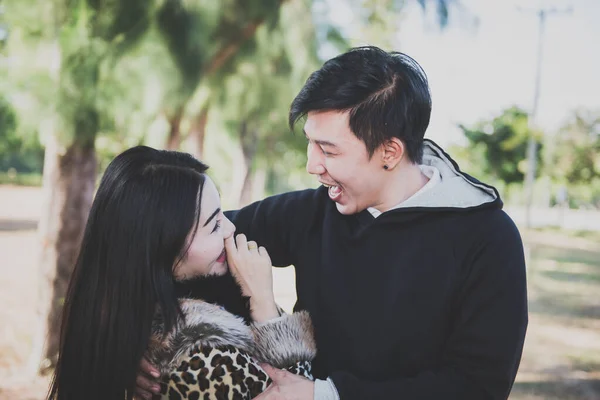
(346, 209)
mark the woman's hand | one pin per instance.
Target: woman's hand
(251, 267)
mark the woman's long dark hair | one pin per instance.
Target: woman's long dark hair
(146, 206)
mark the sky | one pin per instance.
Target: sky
(485, 60)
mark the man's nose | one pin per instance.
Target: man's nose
(314, 161)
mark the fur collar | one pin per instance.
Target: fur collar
(204, 324)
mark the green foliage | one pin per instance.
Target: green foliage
(17, 152)
(205, 38)
(119, 71)
(8, 126)
(186, 31)
(500, 145)
(575, 159)
(92, 35)
(584, 195)
(577, 149)
(12, 177)
(256, 96)
(378, 21)
(4, 33)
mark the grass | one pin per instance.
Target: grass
(589, 235)
(562, 353)
(20, 179)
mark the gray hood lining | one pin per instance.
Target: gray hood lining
(455, 190)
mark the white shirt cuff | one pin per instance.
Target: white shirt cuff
(325, 390)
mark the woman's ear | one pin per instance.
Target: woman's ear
(393, 153)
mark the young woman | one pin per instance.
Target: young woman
(155, 278)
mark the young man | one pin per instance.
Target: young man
(412, 273)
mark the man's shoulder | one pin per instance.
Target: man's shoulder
(498, 221)
(480, 229)
(485, 219)
(492, 231)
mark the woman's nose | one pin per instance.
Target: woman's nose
(228, 227)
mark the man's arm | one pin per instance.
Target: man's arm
(277, 222)
(483, 352)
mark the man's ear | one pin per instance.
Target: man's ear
(393, 153)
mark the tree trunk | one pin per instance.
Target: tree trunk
(259, 183)
(246, 193)
(69, 182)
(249, 142)
(174, 139)
(198, 131)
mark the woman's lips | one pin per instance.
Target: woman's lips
(223, 257)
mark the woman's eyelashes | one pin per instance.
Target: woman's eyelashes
(217, 226)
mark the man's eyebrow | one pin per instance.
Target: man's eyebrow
(321, 142)
(217, 211)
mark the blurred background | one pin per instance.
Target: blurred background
(516, 101)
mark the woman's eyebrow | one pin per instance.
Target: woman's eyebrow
(217, 211)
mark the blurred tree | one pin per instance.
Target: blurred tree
(202, 38)
(3, 29)
(80, 40)
(442, 9)
(377, 22)
(20, 152)
(577, 149)
(257, 89)
(20, 81)
(133, 100)
(9, 142)
(575, 161)
(270, 70)
(503, 144)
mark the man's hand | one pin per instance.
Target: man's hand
(286, 386)
(146, 383)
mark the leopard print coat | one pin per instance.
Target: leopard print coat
(213, 354)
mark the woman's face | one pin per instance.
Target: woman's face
(206, 254)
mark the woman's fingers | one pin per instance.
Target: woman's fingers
(242, 242)
(264, 253)
(146, 386)
(252, 246)
(148, 368)
(230, 246)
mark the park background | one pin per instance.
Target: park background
(516, 101)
